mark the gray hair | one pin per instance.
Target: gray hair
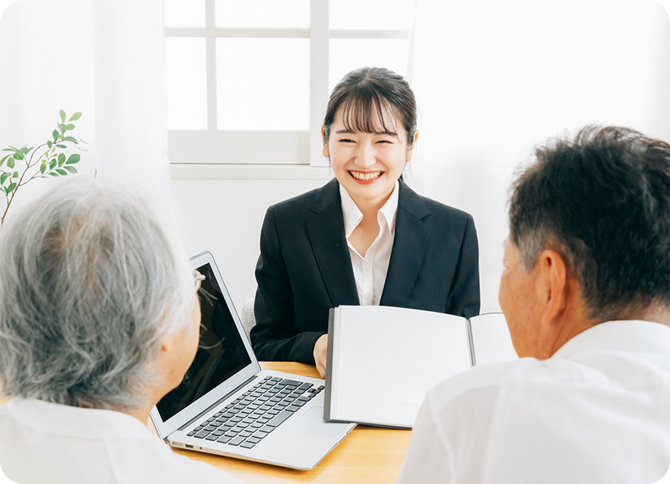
(92, 279)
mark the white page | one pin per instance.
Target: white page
(386, 359)
(491, 339)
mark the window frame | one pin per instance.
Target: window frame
(283, 153)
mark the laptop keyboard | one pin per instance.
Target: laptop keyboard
(247, 420)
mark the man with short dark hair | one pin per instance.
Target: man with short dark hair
(586, 294)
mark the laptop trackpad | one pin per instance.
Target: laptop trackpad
(312, 423)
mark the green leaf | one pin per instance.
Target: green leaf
(11, 187)
(61, 159)
(25, 150)
(70, 139)
(15, 175)
(11, 163)
(61, 171)
(73, 159)
(49, 143)
(52, 173)
(3, 177)
(62, 147)
(71, 169)
(55, 135)
(53, 163)
(75, 117)
(3, 160)
(43, 168)
(61, 126)
(62, 115)
(69, 127)
(18, 156)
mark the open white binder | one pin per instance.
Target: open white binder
(382, 360)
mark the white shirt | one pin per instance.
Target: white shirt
(598, 411)
(370, 271)
(46, 443)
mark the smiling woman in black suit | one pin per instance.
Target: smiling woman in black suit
(365, 237)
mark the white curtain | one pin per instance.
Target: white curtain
(104, 58)
(493, 79)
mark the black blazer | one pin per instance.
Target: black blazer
(305, 269)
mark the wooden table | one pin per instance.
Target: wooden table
(367, 454)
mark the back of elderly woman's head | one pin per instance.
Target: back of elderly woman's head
(92, 279)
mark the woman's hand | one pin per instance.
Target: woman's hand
(320, 352)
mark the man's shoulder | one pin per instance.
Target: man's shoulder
(478, 378)
(517, 376)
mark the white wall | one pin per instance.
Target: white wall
(225, 217)
(493, 79)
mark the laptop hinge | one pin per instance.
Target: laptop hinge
(218, 402)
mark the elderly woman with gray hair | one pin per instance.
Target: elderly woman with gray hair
(98, 320)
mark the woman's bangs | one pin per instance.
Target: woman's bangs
(368, 115)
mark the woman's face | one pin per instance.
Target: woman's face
(367, 165)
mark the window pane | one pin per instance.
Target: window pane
(371, 14)
(184, 13)
(347, 55)
(263, 84)
(186, 83)
(262, 13)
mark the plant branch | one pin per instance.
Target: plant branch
(47, 157)
(37, 162)
(9, 202)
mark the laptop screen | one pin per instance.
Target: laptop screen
(221, 352)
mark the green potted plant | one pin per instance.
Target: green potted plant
(23, 165)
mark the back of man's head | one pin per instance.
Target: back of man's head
(602, 201)
(92, 278)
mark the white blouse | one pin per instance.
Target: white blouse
(370, 270)
(43, 442)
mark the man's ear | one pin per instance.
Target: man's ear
(553, 287)
(325, 152)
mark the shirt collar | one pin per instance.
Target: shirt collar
(85, 423)
(627, 336)
(353, 216)
(390, 208)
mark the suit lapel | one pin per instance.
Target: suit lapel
(326, 234)
(409, 248)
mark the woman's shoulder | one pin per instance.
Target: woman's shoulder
(314, 200)
(422, 206)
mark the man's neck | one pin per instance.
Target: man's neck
(655, 313)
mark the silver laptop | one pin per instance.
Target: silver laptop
(227, 405)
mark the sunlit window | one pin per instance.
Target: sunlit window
(248, 82)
